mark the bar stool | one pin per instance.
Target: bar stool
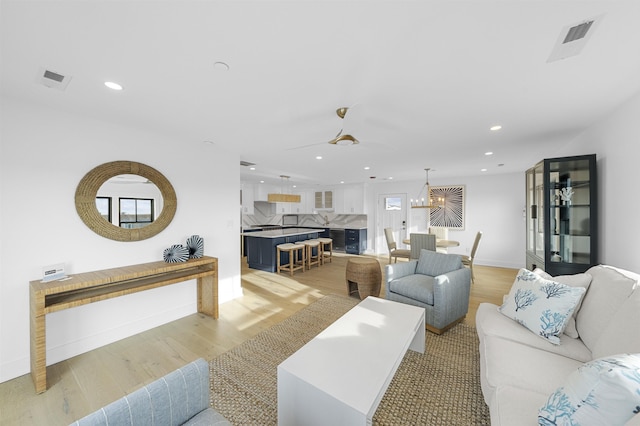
(323, 245)
(311, 258)
(294, 250)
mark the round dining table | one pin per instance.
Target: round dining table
(439, 243)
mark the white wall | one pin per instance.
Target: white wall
(493, 204)
(615, 142)
(45, 153)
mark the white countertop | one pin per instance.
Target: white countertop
(275, 233)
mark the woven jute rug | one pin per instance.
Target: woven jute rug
(439, 387)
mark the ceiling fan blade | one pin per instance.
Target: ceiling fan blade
(305, 146)
(344, 140)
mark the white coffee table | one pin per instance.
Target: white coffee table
(340, 376)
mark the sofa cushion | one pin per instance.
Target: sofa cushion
(543, 306)
(576, 280)
(489, 321)
(433, 264)
(504, 362)
(603, 391)
(621, 335)
(516, 406)
(608, 290)
(417, 287)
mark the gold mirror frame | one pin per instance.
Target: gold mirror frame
(88, 190)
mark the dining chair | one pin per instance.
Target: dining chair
(441, 233)
(468, 260)
(421, 241)
(394, 251)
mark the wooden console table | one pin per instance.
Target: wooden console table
(90, 287)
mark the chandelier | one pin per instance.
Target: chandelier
(430, 202)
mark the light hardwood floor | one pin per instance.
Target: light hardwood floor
(89, 381)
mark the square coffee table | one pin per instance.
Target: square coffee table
(340, 376)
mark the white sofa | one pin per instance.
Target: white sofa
(520, 370)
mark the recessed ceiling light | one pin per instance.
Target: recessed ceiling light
(341, 181)
(252, 168)
(261, 181)
(113, 86)
(319, 157)
(483, 170)
(496, 127)
(488, 153)
(367, 168)
(222, 66)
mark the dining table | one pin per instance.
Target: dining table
(439, 243)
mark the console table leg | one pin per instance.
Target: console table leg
(208, 296)
(38, 343)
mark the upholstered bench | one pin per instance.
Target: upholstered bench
(179, 398)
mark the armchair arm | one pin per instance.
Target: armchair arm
(451, 296)
(394, 271)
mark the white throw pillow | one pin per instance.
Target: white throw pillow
(605, 391)
(543, 306)
(607, 292)
(576, 280)
(622, 334)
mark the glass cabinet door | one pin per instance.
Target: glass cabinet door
(569, 212)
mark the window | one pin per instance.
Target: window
(103, 204)
(135, 212)
(393, 203)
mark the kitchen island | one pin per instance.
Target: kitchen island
(261, 245)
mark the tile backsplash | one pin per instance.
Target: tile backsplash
(263, 215)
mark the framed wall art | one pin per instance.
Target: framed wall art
(450, 213)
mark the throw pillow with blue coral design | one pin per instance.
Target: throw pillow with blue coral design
(605, 391)
(541, 305)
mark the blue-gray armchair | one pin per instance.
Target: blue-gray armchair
(437, 282)
(182, 397)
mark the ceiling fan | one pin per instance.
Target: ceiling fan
(341, 139)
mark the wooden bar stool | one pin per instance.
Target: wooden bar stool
(294, 250)
(324, 242)
(311, 258)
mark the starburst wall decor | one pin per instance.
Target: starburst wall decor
(451, 213)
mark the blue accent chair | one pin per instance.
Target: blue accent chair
(435, 281)
(179, 398)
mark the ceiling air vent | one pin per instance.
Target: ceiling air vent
(573, 38)
(53, 79)
(577, 32)
(246, 163)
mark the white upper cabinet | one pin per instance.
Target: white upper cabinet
(353, 196)
(305, 205)
(247, 198)
(261, 191)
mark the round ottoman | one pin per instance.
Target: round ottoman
(363, 277)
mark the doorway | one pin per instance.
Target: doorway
(392, 213)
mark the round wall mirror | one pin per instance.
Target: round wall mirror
(126, 174)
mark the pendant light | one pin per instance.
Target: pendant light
(431, 203)
(283, 197)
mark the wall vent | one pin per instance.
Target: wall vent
(246, 163)
(573, 38)
(52, 79)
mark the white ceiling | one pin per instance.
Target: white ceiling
(425, 79)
